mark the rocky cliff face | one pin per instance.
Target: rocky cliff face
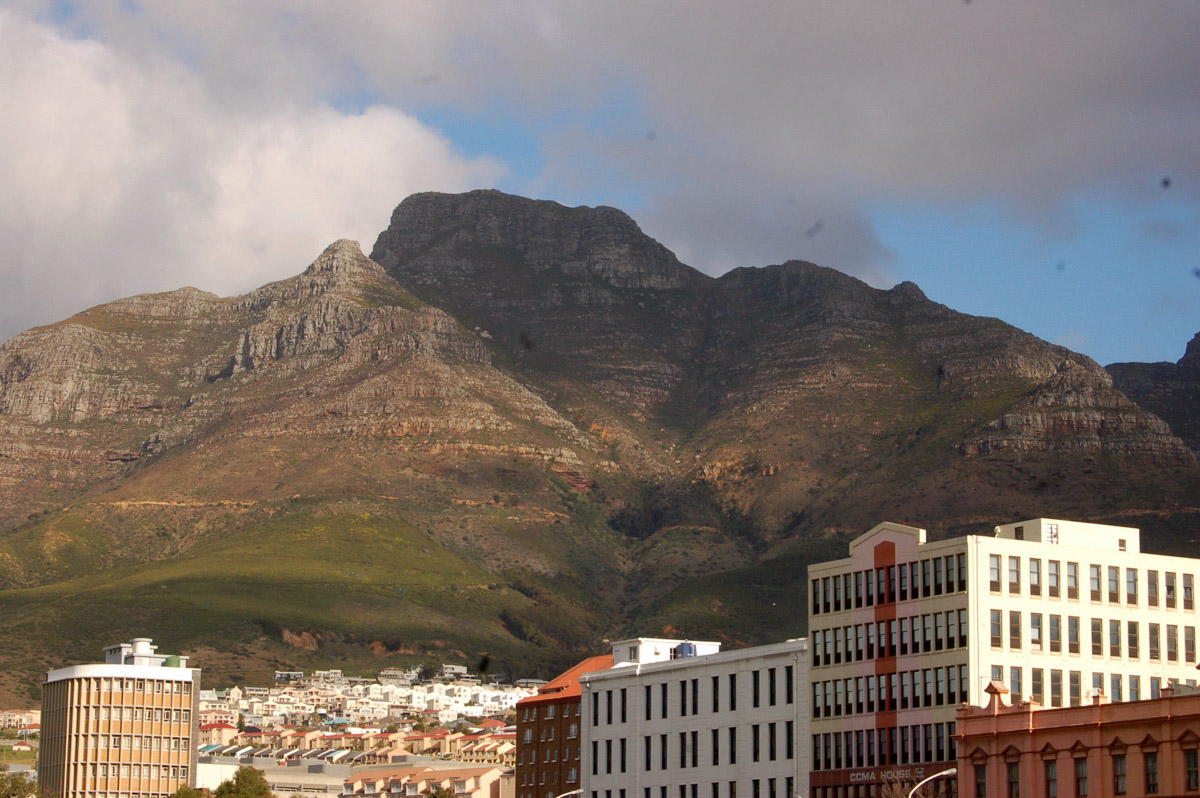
(520, 428)
(1169, 390)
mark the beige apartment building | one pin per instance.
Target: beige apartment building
(904, 630)
(121, 729)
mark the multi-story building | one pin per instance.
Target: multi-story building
(1135, 748)
(904, 630)
(682, 719)
(121, 729)
(548, 734)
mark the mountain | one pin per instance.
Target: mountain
(516, 430)
(1169, 390)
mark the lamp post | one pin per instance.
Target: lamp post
(927, 779)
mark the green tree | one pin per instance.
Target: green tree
(17, 785)
(442, 791)
(187, 792)
(247, 782)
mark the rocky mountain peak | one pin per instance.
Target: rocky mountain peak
(1191, 356)
(343, 256)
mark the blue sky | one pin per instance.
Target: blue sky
(1008, 158)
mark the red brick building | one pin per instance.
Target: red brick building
(1136, 748)
(548, 729)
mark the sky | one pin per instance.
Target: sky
(1038, 162)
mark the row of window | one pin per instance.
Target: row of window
(105, 770)
(1078, 772)
(1099, 577)
(1114, 639)
(549, 711)
(92, 688)
(934, 576)
(104, 742)
(548, 733)
(769, 742)
(759, 788)
(927, 687)
(530, 777)
(767, 685)
(892, 745)
(549, 754)
(1114, 688)
(916, 634)
(135, 714)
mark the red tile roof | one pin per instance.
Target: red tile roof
(566, 685)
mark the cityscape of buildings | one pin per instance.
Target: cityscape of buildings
(1051, 655)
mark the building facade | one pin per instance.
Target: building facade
(121, 729)
(682, 719)
(904, 630)
(549, 735)
(1137, 748)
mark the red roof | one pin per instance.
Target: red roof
(492, 723)
(566, 685)
(211, 726)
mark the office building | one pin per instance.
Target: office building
(904, 630)
(683, 719)
(121, 729)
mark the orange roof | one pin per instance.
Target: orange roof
(566, 685)
(211, 726)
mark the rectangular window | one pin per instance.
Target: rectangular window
(1014, 683)
(1094, 581)
(994, 572)
(1152, 588)
(1075, 687)
(1188, 604)
(1131, 586)
(1072, 580)
(1115, 681)
(1052, 578)
(1014, 574)
(662, 700)
(1073, 635)
(1035, 630)
(1014, 780)
(754, 743)
(1118, 761)
(1056, 633)
(733, 692)
(981, 781)
(716, 694)
(1169, 578)
(1131, 642)
(1189, 644)
(1097, 637)
(1191, 768)
(1114, 585)
(1081, 777)
(1035, 577)
(1154, 641)
(1172, 643)
(771, 687)
(789, 674)
(1056, 693)
(733, 745)
(624, 705)
(1051, 769)
(1114, 638)
(1135, 687)
(1014, 629)
(1035, 686)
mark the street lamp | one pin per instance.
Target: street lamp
(922, 782)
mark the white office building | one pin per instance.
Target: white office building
(904, 630)
(683, 719)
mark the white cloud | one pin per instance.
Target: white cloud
(128, 174)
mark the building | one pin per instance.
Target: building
(1136, 748)
(468, 782)
(682, 719)
(548, 734)
(905, 630)
(121, 729)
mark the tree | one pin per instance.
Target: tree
(442, 791)
(18, 785)
(187, 792)
(247, 782)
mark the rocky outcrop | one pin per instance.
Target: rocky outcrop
(1169, 390)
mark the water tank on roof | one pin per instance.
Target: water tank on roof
(683, 650)
(171, 661)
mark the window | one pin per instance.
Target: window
(1172, 643)
(1189, 644)
(994, 572)
(1014, 683)
(754, 688)
(1014, 574)
(1035, 577)
(1114, 585)
(1094, 581)
(1187, 592)
(1014, 780)
(1073, 580)
(1097, 637)
(1056, 688)
(1154, 640)
(981, 781)
(1051, 768)
(1152, 588)
(1075, 687)
(1073, 635)
(1081, 777)
(1118, 761)
(770, 687)
(1052, 578)
(1135, 687)
(1035, 630)
(1131, 586)
(1116, 681)
(1114, 638)
(1191, 767)
(1035, 685)
(1169, 578)
(1131, 642)
(1014, 629)
(997, 631)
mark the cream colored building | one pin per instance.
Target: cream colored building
(903, 630)
(683, 719)
(121, 729)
